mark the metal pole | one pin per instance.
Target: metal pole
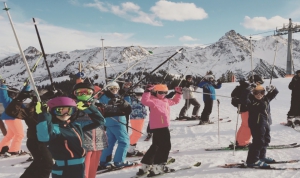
(104, 61)
(274, 63)
(289, 52)
(251, 58)
(22, 54)
(218, 120)
(237, 121)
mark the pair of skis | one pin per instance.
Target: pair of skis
(221, 120)
(243, 165)
(293, 145)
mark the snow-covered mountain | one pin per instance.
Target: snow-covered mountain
(231, 53)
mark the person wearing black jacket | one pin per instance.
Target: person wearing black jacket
(294, 111)
(42, 159)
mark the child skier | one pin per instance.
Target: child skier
(64, 136)
(115, 130)
(137, 117)
(94, 140)
(259, 123)
(209, 85)
(159, 117)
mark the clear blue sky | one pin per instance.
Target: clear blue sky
(79, 24)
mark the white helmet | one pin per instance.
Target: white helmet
(207, 77)
(113, 84)
(138, 90)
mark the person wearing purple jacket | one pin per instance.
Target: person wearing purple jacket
(159, 118)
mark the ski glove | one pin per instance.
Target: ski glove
(40, 107)
(178, 90)
(82, 106)
(270, 88)
(149, 87)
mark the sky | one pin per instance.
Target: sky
(66, 25)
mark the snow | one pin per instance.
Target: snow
(191, 141)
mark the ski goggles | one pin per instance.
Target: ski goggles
(64, 110)
(128, 84)
(138, 94)
(113, 88)
(83, 91)
(162, 92)
(256, 92)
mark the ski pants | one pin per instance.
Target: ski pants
(243, 135)
(116, 133)
(14, 136)
(91, 163)
(63, 170)
(42, 163)
(295, 106)
(158, 152)
(260, 141)
(148, 128)
(138, 125)
(208, 105)
(188, 103)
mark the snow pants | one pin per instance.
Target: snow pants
(91, 163)
(14, 136)
(73, 170)
(138, 125)
(188, 103)
(158, 152)
(116, 133)
(260, 142)
(243, 135)
(208, 105)
(42, 163)
(295, 105)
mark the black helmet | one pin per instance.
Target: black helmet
(188, 77)
(12, 92)
(297, 72)
(83, 85)
(256, 79)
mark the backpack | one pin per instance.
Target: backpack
(235, 94)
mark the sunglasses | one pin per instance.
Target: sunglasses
(65, 110)
(256, 92)
(138, 94)
(83, 91)
(113, 88)
(162, 92)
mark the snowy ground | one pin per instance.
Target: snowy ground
(191, 141)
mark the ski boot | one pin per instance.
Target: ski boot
(290, 122)
(133, 152)
(297, 120)
(4, 150)
(144, 169)
(123, 164)
(259, 164)
(267, 160)
(158, 169)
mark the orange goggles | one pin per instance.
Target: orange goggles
(162, 92)
(65, 110)
(83, 91)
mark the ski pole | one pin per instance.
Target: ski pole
(126, 125)
(33, 69)
(45, 59)
(22, 54)
(218, 120)
(137, 84)
(251, 58)
(274, 63)
(237, 121)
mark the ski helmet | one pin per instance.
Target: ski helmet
(113, 84)
(259, 87)
(83, 85)
(208, 77)
(188, 77)
(12, 92)
(297, 72)
(138, 90)
(61, 101)
(256, 79)
(160, 87)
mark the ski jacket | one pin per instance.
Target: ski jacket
(139, 110)
(209, 87)
(259, 110)
(295, 87)
(65, 139)
(105, 98)
(159, 109)
(95, 139)
(5, 100)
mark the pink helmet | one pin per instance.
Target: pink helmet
(61, 101)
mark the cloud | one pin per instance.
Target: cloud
(262, 23)
(195, 45)
(167, 10)
(56, 38)
(169, 36)
(187, 38)
(74, 2)
(98, 5)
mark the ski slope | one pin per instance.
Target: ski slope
(191, 141)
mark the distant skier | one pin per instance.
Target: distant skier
(294, 111)
(188, 88)
(209, 85)
(159, 117)
(259, 123)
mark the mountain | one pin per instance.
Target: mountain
(232, 52)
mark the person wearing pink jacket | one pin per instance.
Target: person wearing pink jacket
(159, 117)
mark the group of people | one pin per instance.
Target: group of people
(74, 135)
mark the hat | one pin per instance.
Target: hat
(160, 87)
(188, 77)
(259, 87)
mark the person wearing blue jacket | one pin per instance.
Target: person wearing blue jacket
(115, 130)
(11, 143)
(208, 85)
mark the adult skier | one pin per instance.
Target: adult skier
(188, 88)
(294, 111)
